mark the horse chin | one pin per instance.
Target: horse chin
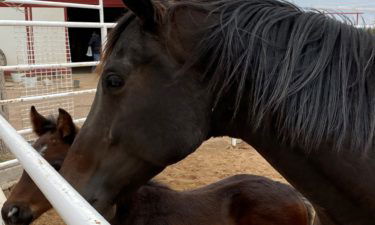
(28, 222)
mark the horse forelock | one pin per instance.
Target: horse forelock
(122, 24)
(113, 38)
(52, 123)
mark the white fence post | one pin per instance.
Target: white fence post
(102, 22)
(233, 142)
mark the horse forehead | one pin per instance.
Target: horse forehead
(41, 148)
(42, 140)
(41, 145)
(131, 38)
(135, 41)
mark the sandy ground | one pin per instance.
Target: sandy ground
(214, 160)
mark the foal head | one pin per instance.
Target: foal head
(26, 202)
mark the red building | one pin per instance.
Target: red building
(78, 37)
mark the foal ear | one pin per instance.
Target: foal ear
(40, 124)
(143, 9)
(66, 127)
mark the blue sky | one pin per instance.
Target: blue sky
(369, 16)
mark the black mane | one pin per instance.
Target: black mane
(312, 75)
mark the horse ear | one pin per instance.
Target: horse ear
(66, 127)
(143, 9)
(40, 124)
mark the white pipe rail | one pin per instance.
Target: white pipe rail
(49, 3)
(44, 66)
(9, 164)
(56, 24)
(44, 97)
(72, 207)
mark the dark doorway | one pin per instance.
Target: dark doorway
(80, 37)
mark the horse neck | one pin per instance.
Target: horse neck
(329, 179)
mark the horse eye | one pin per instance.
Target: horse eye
(114, 81)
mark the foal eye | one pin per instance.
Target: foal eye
(114, 81)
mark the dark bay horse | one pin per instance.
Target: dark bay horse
(298, 86)
(237, 200)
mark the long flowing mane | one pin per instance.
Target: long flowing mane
(312, 75)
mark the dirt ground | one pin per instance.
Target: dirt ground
(214, 160)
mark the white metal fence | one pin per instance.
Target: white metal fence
(69, 204)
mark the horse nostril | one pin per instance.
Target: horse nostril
(13, 212)
(17, 214)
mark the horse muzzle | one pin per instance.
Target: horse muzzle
(17, 214)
